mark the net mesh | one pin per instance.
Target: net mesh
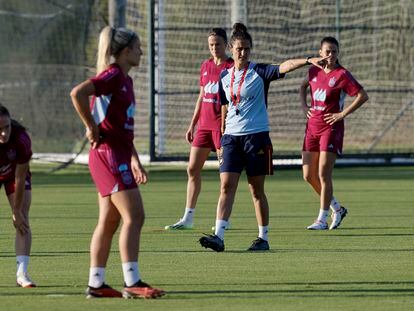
(48, 46)
(376, 46)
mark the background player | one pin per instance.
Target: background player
(325, 127)
(15, 154)
(207, 117)
(113, 162)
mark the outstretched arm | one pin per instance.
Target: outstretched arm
(293, 64)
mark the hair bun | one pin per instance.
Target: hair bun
(239, 27)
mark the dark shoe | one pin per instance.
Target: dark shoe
(212, 241)
(105, 291)
(259, 245)
(142, 290)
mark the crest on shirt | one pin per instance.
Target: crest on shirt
(314, 79)
(332, 82)
(11, 154)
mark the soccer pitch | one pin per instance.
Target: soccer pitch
(367, 264)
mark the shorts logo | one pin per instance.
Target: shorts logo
(331, 146)
(11, 154)
(125, 174)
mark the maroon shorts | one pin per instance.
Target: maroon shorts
(10, 185)
(111, 169)
(207, 139)
(330, 140)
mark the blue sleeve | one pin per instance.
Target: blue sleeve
(222, 94)
(268, 72)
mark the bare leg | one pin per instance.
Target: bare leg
(23, 242)
(256, 185)
(130, 206)
(198, 157)
(310, 169)
(229, 182)
(108, 223)
(326, 165)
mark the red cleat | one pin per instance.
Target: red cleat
(142, 290)
(105, 291)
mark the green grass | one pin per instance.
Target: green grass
(367, 264)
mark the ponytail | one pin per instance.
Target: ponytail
(104, 49)
(111, 43)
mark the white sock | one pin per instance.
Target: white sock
(131, 272)
(263, 230)
(323, 215)
(188, 215)
(96, 276)
(335, 206)
(21, 262)
(220, 228)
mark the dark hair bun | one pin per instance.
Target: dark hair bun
(239, 27)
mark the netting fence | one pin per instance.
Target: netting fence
(48, 46)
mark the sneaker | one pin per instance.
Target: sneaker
(24, 280)
(318, 225)
(180, 225)
(337, 217)
(105, 291)
(212, 241)
(142, 290)
(227, 227)
(259, 245)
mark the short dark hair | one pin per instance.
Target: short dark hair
(4, 111)
(330, 40)
(240, 33)
(220, 32)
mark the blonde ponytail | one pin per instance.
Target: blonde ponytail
(104, 49)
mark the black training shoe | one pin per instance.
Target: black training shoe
(212, 241)
(259, 245)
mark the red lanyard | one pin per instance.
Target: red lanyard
(236, 100)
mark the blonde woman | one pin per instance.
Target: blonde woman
(114, 162)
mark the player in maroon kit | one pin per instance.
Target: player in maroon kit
(15, 154)
(325, 127)
(207, 118)
(113, 162)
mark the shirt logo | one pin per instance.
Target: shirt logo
(314, 79)
(332, 82)
(124, 89)
(205, 73)
(319, 95)
(211, 87)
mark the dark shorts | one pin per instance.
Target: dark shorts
(10, 185)
(253, 152)
(111, 169)
(330, 140)
(207, 139)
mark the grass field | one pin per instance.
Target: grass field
(367, 264)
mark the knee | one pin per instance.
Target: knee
(193, 172)
(309, 178)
